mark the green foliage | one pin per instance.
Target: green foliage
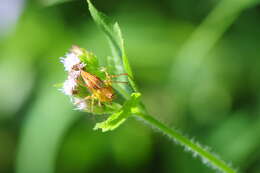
(114, 35)
(131, 106)
(121, 115)
(209, 91)
(90, 60)
(116, 64)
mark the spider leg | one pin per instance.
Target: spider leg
(122, 74)
(99, 103)
(92, 103)
(92, 99)
(120, 82)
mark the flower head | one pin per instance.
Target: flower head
(69, 61)
(69, 86)
(85, 82)
(72, 65)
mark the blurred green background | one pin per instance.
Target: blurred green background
(197, 64)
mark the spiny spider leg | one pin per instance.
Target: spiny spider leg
(108, 80)
(120, 82)
(113, 76)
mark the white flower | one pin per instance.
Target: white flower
(74, 74)
(69, 61)
(69, 86)
(80, 104)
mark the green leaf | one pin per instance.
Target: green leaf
(114, 35)
(90, 59)
(120, 116)
(111, 66)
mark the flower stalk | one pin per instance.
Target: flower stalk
(195, 148)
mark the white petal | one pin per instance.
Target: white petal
(69, 86)
(69, 61)
(80, 104)
(73, 74)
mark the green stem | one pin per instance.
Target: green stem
(193, 147)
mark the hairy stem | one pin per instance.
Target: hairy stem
(208, 157)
